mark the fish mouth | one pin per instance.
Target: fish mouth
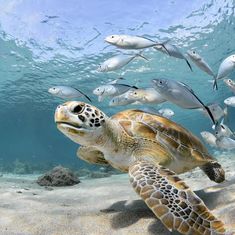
(66, 124)
(109, 41)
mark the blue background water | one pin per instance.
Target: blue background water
(57, 42)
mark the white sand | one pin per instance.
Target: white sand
(107, 206)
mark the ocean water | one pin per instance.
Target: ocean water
(48, 43)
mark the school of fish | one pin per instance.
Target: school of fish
(163, 90)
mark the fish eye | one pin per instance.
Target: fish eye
(194, 52)
(53, 88)
(229, 80)
(135, 93)
(216, 133)
(112, 36)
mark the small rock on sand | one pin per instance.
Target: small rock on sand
(58, 176)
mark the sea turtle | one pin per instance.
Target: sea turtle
(153, 149)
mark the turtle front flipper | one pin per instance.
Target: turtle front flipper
(91, 155)
(172, 201)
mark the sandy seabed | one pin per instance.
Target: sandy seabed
(102, 206)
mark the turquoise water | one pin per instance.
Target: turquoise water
(47, 43)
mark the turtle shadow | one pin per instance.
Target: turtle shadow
(215, 195)
(126, 213)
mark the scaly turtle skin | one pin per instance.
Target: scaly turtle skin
(153, 150)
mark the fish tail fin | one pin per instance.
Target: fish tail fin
(163, 45)
(189, 65)
(215, 85)
(140, 55)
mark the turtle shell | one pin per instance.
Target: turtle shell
(173, 136)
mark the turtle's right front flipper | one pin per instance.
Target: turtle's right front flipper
(172, 201)
(91, 155)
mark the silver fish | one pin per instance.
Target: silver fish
(225, 143)
(230, 101)
(231, 84)
(172, 50)
(180, 94)
(130, 42)
(225, 68)
(200, 62)
(66, 92)
(167, 113)
(122, 99)
(209, 138)
(111, 90)
(117, 62)
(146, 96)
(223, 130)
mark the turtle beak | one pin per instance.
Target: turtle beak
(61, 114)
(64, 118)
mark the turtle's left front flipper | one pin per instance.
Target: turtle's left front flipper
(172, 201)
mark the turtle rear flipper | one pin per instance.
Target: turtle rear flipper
(214, 171)
(172, 201)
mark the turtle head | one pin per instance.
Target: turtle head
(80, 122)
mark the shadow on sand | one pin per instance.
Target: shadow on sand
(126, 213)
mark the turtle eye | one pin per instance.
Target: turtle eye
(222, 126)
(77, 109)
(112, 36)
